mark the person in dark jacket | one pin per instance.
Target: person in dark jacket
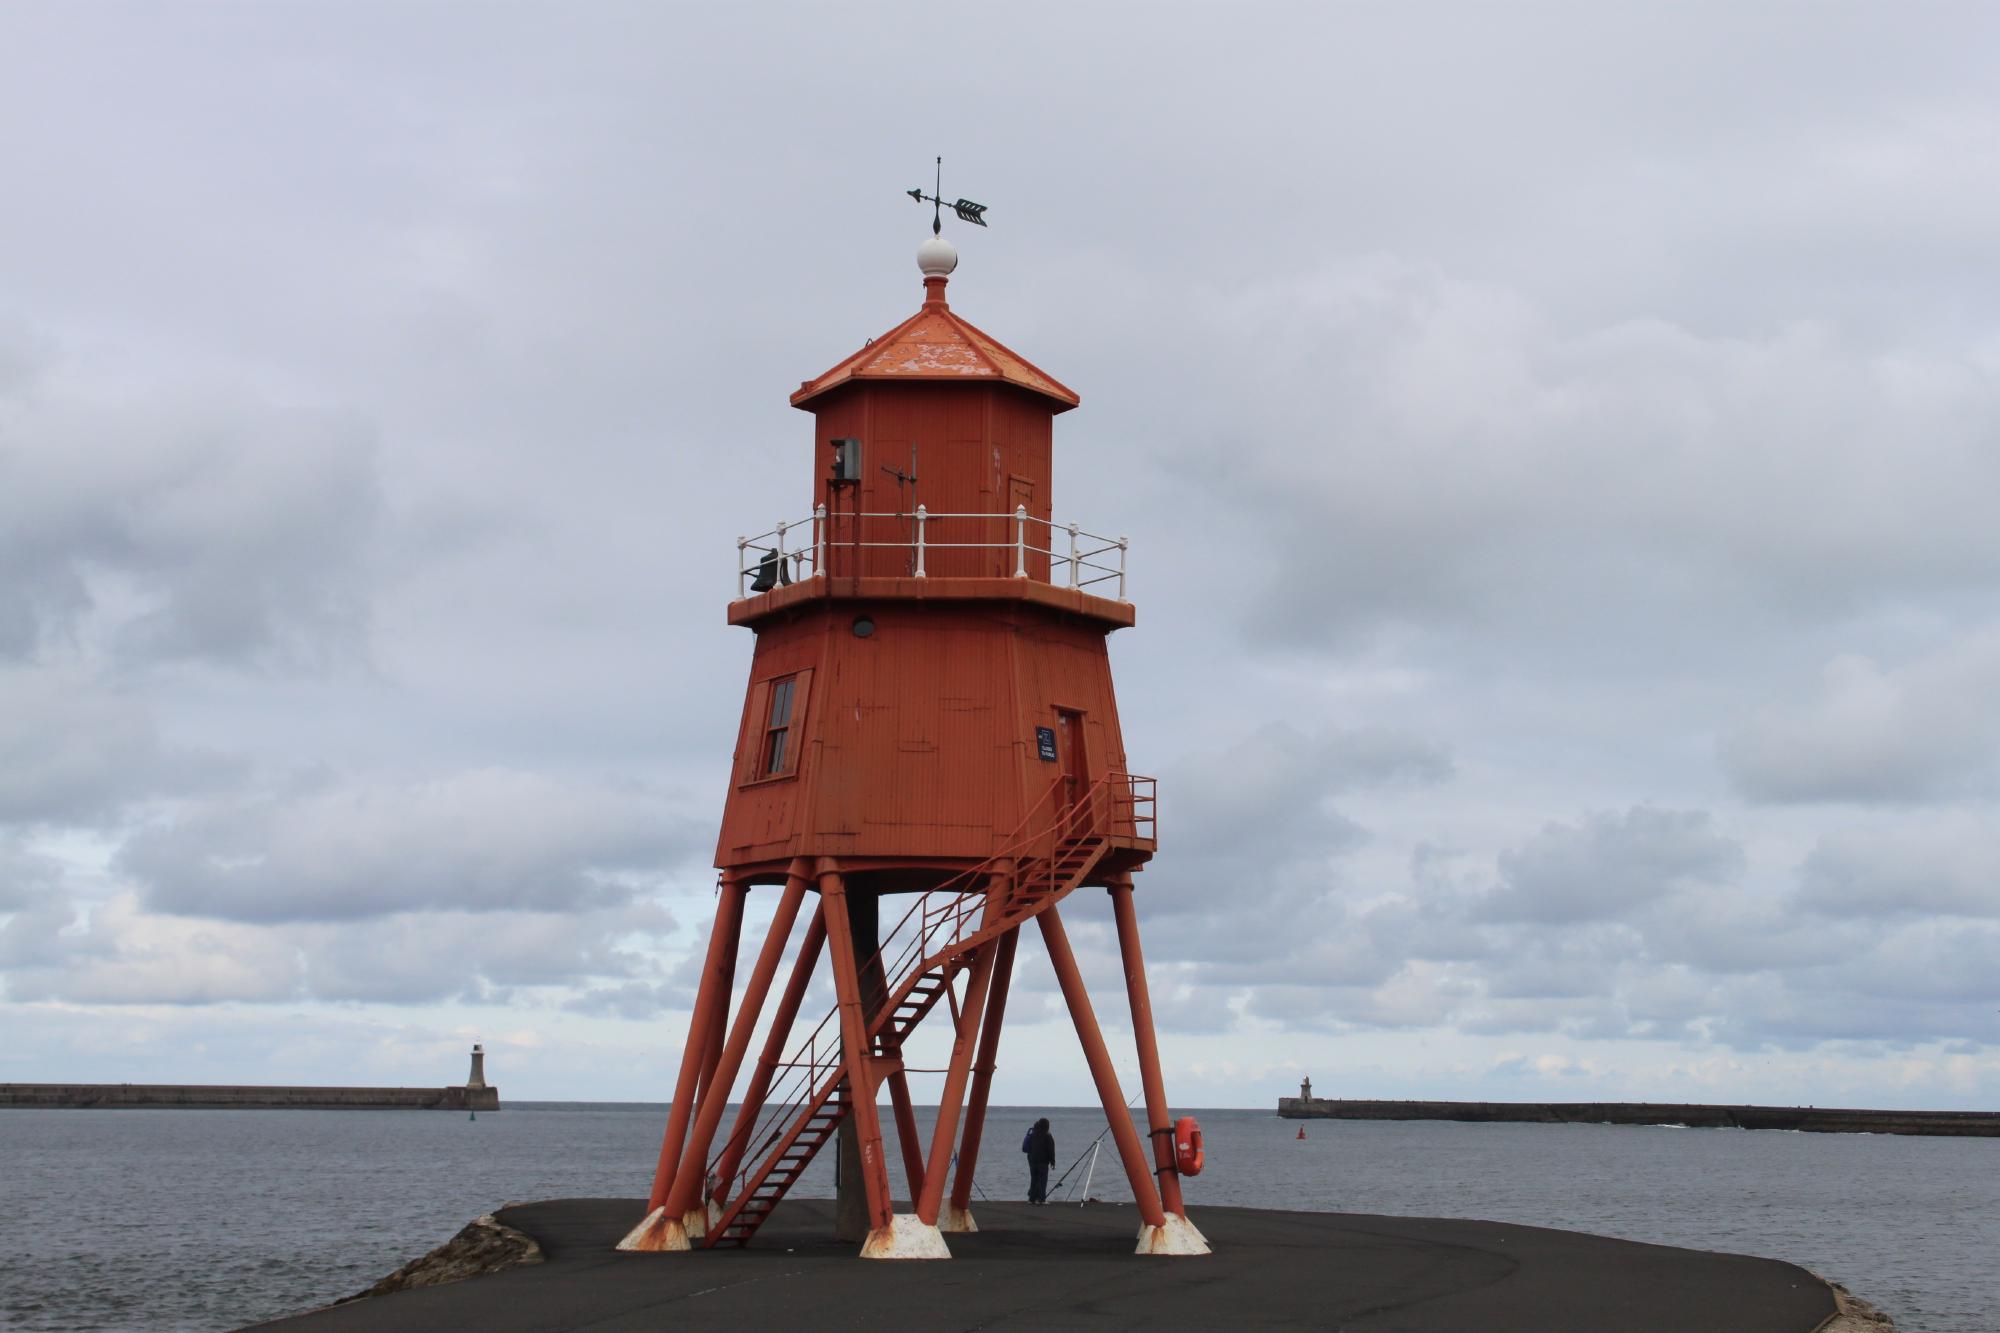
(1040, 1145)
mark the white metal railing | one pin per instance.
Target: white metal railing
(788, 553)
(796, 551)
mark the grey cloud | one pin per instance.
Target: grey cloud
(1581, 963)
(635, 1000)
(486, 840)
(123, 954)
(1934, 961)
(76, 750)
(31, 936)
(26, 878)
(1927, 730)
(1728, 929)
(1259, 814)
(1184, 1002)
(1609, 865)
(1803, 1013)
(1416, 995)
(176, 527)
(1271, 789)
(1948, 866)
(1577, 1016)
(1311, 936)
(478, 956)
(1463, 448)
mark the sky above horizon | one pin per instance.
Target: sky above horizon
(1559, 446)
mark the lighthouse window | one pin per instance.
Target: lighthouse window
(778, 729)
(775, 742)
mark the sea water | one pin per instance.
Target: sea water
(215, 1219)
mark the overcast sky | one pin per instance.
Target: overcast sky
(1560, 446)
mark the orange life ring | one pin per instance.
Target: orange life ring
(1187, 1146)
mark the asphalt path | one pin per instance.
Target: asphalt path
(1069, 1267)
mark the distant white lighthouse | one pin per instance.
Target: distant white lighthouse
(478, 1076)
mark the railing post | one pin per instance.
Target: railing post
(1122, 544)
(1072, 556)
(819, 538)
(781, 544)
(742, 591)
(920, 541)
(1020, 541)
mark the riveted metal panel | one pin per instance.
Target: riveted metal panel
(919, 737)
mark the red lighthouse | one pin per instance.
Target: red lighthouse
(929, 743)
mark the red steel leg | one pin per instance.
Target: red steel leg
(982, 1069)
(782, 1019)
(687, 1193)
(718, 1018)
(1099, 1059)
(729, 909)
(1157, 1113)
(906, 1129)
(953, 1095)
(854, 1043)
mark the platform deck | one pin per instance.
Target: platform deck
(1068, 1267)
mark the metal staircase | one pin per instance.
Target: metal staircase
(934, 941)
(794, 1155)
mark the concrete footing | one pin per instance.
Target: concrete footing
(906, 1237)
(958, 1220)
(657, 1234)
(1177, 1237)
(660, 1234)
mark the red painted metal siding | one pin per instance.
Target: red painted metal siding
(919, 740)
(974, 446)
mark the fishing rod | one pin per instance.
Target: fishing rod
(975, 1178)
(1091, 1147)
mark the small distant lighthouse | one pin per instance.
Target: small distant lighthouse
(477, 1079)
(1305, 1088)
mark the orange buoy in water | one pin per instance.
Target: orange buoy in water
(1302, 1131)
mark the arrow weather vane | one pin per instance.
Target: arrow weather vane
(967, 210)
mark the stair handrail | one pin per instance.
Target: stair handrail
(800, 1083)
(952, 904)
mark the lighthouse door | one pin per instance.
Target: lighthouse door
(1075, 763)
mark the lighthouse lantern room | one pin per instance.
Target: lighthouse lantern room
(929, 743)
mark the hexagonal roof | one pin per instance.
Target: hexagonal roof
(934, 344)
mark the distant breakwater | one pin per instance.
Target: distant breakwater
(1810, 1119)
(162, 1096)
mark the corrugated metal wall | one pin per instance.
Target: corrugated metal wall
(920, 739)
(979, 449)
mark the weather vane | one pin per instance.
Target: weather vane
(967, 210)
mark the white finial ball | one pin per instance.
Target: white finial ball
(937, 257)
